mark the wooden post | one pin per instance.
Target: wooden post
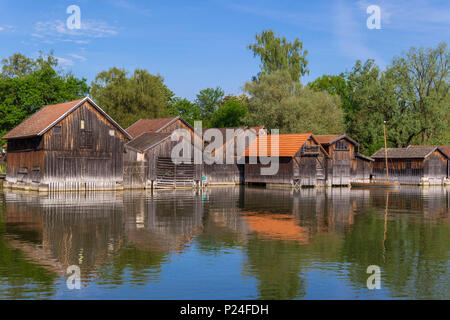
(385, 152)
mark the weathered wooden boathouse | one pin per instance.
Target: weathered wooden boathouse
(230, 173)
(418, 166)
(302, 161)
(156, 125)
(68, 146)
(148, 163)
(345, 163)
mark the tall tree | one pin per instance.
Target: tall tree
(28, 84)
(276, 53)
(231, 113)
(130, 98)
(281, 103)
(208, 101)
(186, 109)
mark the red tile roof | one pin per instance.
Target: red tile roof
(331, 138)
(41, 120)
(288, 145)
(148, 125)
(326, 139)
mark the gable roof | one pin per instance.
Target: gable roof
(406, 153)
(48, 116)
(288, 145)
(328, 139)
(148, 140)
(444, 149)
(152, 125)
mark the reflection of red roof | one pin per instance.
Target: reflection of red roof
(40, 120)
(275, 226)
(149, 125)
(288, 145)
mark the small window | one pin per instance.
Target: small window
(82, 124)
(57, 130)
(111, 133)
(341, 146)
(408, 164)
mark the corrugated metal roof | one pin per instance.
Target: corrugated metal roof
(288, 145)
(40, 120)
(148, 125)
(404, 153)
(147, 140)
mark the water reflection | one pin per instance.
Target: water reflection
(227, 243)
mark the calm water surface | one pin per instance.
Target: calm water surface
(226, 243)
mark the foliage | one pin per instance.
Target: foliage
(411, 95)
(185, 108)
(208, 101)
(277, 53)
(27, 84)
(231, 113)
(278, 102)
(130, 98)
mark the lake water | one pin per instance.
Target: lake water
(226, 243)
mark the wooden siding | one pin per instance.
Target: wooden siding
(433, 169)
(308, 168)
(69, 157)
(154, 168)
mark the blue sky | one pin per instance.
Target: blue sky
(199, 44)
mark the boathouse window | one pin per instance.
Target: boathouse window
(82, 124)
(111, 133)
(57, 130)
(341, 146)
(408, 164)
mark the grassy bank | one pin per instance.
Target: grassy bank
(3, 168)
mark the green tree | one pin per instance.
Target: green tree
(281, 103)
(186, 109)
(277, 53)
(130, 98)
(231, 113)
(28, 84)
(208, 101)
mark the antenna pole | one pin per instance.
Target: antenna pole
(385, 152)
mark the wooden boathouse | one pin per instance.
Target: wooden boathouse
(302, 161)
(345, 163)
(158, 125)
(148, 163)
(68, 146)
(412, 165)
(230, 174)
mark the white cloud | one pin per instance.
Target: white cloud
(65, 63)
(58, 31)
(78, 57)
